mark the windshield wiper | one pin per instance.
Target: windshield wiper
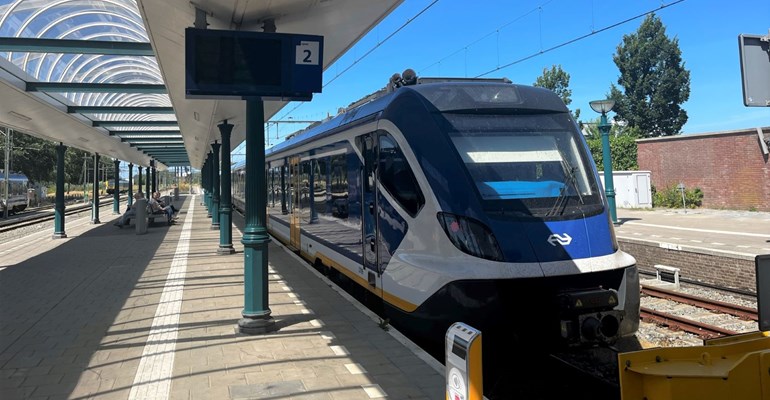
(561, 201)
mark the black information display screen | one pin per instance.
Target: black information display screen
(232, 64)
(223, 61)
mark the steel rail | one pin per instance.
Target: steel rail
(45, 216)
(702, 302)
(704, 331)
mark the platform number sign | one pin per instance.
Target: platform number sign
(307, 53)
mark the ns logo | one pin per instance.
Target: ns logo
(563, 240)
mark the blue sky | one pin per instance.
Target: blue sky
(464, 38)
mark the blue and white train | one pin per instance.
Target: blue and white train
(450, 200)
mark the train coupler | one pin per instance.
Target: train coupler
(588, 316)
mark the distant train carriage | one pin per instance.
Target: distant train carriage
(122, 183)
(453, 201)
(17, 192)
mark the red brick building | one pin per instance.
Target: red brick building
(732, 168)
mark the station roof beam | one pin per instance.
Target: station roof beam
(74, 87)
(72, 46)
(119, 110)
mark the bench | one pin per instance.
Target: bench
(150, 218)
(157, 214)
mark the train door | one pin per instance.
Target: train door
(294, 188)
(368, 145)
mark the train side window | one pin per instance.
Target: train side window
(322, 186)
(339, 187)
(397, 177)
(304, 190)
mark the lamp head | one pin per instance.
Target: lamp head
(602, 106)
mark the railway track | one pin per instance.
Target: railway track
(699, 328)
(43, 214)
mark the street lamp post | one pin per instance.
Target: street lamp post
(603, 107)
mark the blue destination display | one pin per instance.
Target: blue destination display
(252, 64)
(519, 190)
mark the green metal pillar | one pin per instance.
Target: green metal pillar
(139, 178)
(154, 178)
(256, 312)
(311, 191)
(130, 184)
(58, 224)
(284, 208)
(147, 182)
(203, 184)
(209, 193)
(609, 185)
(215, 186)
(116, 192)
(95, 202)
(225, 203)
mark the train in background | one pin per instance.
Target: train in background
(122, 186)
(17, 192)
(458, 200)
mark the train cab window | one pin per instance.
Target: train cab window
(397, 177)
(535, 164)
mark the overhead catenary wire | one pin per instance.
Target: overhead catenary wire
(368, 52)
(625, 21)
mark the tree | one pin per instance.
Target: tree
(623, 149)
(73, 165)
(617, 128)
(557, 81)
(654, 80)
(31, 156)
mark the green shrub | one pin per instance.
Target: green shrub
(671, 197)
(623, 150)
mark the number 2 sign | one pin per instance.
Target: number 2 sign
(307, 53)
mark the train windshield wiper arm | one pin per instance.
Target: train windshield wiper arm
(561, 200)
(570, 170)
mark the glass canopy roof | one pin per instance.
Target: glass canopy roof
(71, 23)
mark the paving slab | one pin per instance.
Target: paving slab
(106, 313)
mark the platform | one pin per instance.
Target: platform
(109, 314)
(716, 247)
(732, 231)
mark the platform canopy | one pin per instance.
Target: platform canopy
(107, 76)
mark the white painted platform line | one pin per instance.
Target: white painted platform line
(355, 369)
(374, 391)
(760, 235)
(153, 377)
(339, 350)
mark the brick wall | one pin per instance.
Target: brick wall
(733, 272)
(729, 167)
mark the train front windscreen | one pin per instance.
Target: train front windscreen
(527, 165)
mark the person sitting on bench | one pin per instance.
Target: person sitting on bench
(155, 206)
(162, 203)
(125, 219)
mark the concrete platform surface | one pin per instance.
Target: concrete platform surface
(108, 314)
(743, 233)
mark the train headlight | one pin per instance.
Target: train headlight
(470, 236)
